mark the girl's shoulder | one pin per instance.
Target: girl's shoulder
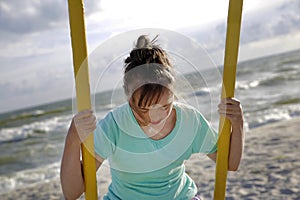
(185, 107)
(119, 111)
(188, 112)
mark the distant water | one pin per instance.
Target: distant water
(31, 140)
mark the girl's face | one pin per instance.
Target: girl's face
(154, 114)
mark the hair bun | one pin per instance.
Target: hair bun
(143, 42)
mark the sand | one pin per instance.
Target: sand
(270, 169)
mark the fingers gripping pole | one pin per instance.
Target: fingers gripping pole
(78, 38)
(229, 75)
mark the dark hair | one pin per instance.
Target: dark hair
(148, 70)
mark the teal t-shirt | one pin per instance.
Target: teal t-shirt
(143, 168)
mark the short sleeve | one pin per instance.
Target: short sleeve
(105, 137)
(206, 137)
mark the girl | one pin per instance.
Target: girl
(147, 139)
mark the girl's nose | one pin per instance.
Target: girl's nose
(157, 114)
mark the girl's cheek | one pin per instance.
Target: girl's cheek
(145, 116)
(168, 112)
(158, 115)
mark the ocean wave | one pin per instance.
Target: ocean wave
(245, 85)
(289, 62)
(268, 116)
(31, 115)
(39, 127)
(288, 101)
(29, 177)
(201, 92)
(269, 80)
(280, 78)
(106, 107)
(287, 69)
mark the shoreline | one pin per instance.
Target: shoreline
(270, 168)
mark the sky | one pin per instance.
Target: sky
(36, 55)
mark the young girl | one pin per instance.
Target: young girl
(147, 139)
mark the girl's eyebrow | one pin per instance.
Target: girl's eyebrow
(144, 108)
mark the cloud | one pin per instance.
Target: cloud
(35, 53)
(274, 21)
(281, 20)
(25, 84)
(34, 27)
(272, 45)
(21, 17)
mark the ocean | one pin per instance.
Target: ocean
(32, 139)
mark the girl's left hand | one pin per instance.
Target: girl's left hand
(231, 108)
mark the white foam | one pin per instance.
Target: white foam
(29, 177)
(38, 112)
(268, 116)
(24, 131)
(244, 85)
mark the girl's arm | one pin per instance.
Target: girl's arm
(231, 109)
(71, 173)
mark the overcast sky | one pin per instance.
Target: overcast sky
(36, 56)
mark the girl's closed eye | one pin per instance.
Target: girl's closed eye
(143, 110)
(166, 107)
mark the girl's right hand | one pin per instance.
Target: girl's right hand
(83, 123)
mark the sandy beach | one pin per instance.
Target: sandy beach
(270, 169)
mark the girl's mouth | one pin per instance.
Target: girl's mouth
(156, 122)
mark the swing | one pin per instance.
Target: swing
(78, 38)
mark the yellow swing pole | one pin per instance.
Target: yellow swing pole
(81, 73)
(229, 75)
